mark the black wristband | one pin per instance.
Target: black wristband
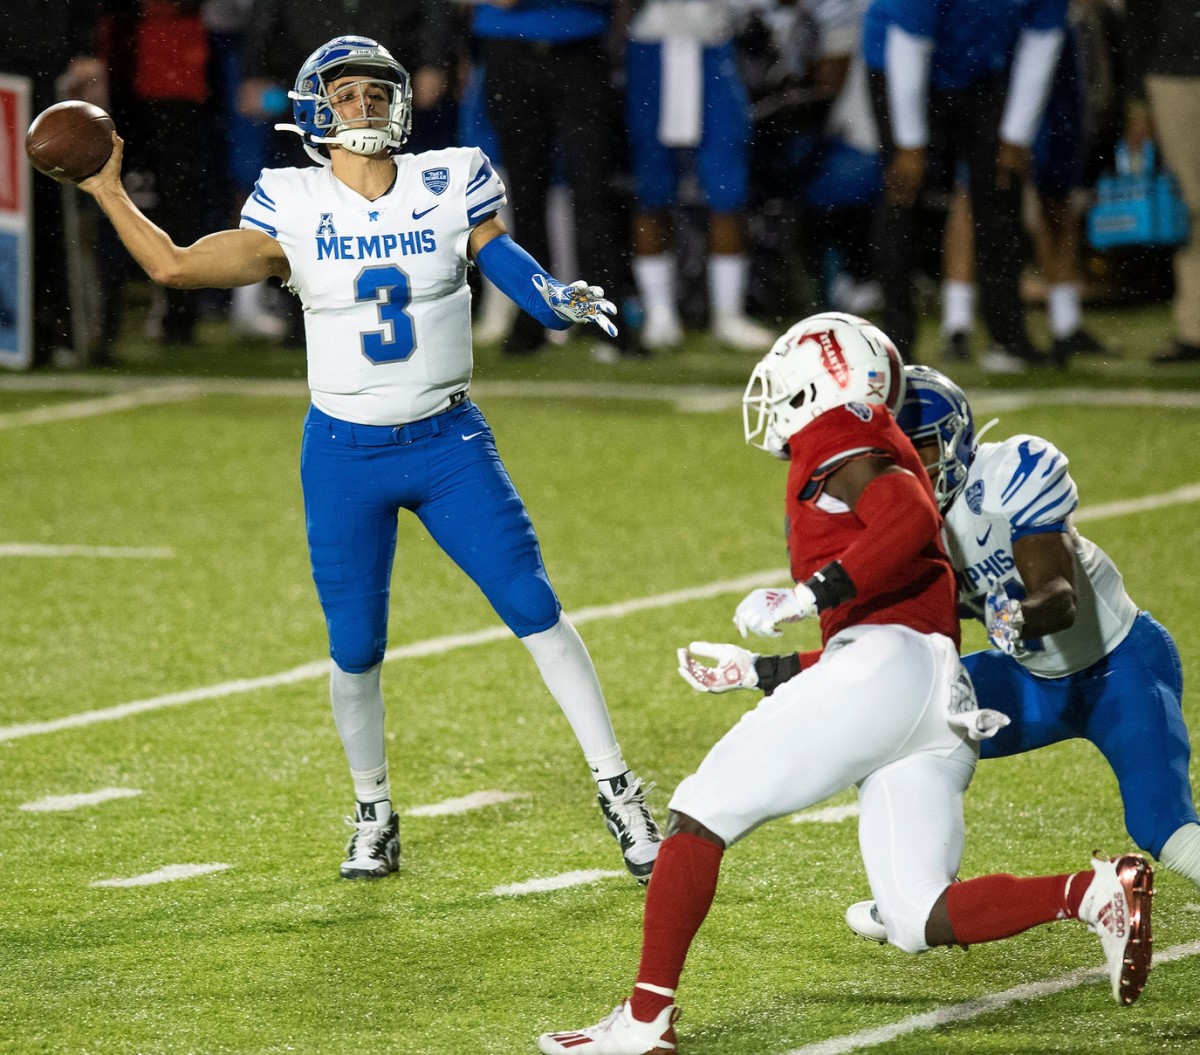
(831, 586)
(773, 671)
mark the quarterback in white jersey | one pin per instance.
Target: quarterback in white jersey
(377, 245)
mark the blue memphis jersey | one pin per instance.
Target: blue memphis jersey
(1020, 487)
(972, 39)
(387, 308)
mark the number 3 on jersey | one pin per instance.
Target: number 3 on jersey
(388, 287)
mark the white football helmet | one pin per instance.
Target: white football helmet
(822, 362)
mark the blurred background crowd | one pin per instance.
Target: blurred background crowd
(720, 166)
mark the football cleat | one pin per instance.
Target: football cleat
(631, 823)
(619, 1034)
(1116, 907)
(742, 333)
(863, 918)
(373, 851)
(662, 330)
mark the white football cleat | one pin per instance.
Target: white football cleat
(662, 330)
(619, 1034)
(631, 823)
(1116, 906)
(863, 918)
(742, 332)
(373, 851)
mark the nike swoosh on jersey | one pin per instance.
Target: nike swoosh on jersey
(424, 212)
(981, 541)
(471, 436)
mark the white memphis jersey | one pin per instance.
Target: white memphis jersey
(387, 308)
(1019, 487)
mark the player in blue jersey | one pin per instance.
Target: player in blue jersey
(1073, 656)
(377, 244)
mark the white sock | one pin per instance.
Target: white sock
(1182, 852)
(358, 714)
(566, 668)
(727, 277)
(958, 307)
(655, 278)
(1062, 301)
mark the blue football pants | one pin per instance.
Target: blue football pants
(445, 469)
(1129, 704)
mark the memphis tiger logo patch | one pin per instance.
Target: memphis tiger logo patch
(436, 180)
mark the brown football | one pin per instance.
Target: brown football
(70, 140)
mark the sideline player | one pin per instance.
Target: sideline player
(886, 706)
(377, 245)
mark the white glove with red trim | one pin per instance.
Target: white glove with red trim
(734, 668)
(762, 610)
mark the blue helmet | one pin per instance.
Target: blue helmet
(935, 408)
(316, 120)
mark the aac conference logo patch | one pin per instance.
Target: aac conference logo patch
(975, 497)
(436, 180)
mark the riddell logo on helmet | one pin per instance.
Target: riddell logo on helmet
(832, 357)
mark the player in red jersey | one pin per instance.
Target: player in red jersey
(885, 705)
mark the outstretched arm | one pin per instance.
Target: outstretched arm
(221, 260)
(525, 282)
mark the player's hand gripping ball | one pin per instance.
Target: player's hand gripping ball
(70, 141)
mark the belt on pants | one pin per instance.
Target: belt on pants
(399, 435)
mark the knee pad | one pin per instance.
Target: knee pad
(530, 604)
(355, 646)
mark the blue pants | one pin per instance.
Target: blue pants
(1128, 704)
(722, 156)
(445, 469)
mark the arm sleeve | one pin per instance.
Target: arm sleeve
(900, 520)
(511, 270)
(1029, 84)
(907, 59)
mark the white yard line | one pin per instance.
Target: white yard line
(57, 803)
(439, 645)
(90, 408)
(166, 874)
(476, 800)
(36, 549)
(558, 882)
(431, 647)
(982, 1005)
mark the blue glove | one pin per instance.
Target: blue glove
(577, 302)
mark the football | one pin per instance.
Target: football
(70, 140)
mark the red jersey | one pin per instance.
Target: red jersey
(918, 592)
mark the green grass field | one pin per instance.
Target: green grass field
(211, 624)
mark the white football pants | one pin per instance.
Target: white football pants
(871, 713)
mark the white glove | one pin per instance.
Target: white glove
(1003, 619)
(980, 724)
(761, 610)
(577, 302)
(734, 669)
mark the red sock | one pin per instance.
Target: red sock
(999, 906)
(681, 890)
